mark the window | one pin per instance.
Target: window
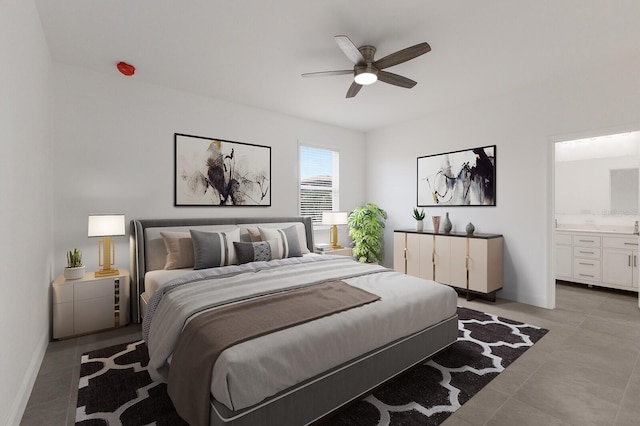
(319, 182)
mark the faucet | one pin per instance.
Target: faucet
(635, 228)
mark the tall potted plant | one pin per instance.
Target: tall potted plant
(366, 229)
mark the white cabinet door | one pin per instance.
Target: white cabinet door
(617, 267)
(564, 261)
(635, 269)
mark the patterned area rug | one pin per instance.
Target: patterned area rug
(115, 387)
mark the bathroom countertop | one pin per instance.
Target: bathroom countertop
(598, 229)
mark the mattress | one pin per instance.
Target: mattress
(251, 371)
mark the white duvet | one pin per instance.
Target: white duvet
(249, 372)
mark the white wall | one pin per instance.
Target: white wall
(26, 203)
(114, 153)
(522, 124)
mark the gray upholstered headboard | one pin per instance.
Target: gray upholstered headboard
(139, 238)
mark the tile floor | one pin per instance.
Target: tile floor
(585, 371)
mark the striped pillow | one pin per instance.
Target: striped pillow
(286, 242)
(214, 249)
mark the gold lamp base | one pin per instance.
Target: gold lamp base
(334, 238)
(106, 256)
(107, 272)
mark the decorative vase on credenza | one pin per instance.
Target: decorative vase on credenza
(446, 225)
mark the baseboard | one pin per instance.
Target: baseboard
(527, 299)
(24, 392)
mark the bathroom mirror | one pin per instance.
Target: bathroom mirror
(598, 176)
(624, 191)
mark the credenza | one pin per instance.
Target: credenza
(469, 263)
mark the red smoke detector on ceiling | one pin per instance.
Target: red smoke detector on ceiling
(126, 69)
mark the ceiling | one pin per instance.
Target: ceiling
(253, 52)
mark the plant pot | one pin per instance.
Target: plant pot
(74, 273)
(419, 225)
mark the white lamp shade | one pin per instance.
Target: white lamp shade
(334, 218)
(106, 225)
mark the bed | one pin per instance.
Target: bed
(291, 375)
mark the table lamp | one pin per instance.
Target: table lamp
(334, 219)
(106, 226)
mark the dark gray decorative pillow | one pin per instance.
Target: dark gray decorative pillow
(286, 244)
(252, 252)
(213, 249)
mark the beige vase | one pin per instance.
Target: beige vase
(436, 223)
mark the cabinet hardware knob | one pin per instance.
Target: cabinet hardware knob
(584, 263)
(586, 275)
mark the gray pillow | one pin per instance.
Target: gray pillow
(213, 249)
(252, 252)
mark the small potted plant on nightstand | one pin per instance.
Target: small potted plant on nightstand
(75, 268)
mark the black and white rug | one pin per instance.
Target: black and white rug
(115, 387)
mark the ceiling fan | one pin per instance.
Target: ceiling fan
(367, 70)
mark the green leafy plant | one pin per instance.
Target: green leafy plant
(418, 215)
(366, 229)
(74, 258)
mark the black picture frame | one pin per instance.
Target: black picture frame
(219, 172)
(458, 178)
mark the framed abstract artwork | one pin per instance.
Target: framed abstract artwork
(459, 178)
(216, 172)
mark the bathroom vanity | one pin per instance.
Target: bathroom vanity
(606, 258)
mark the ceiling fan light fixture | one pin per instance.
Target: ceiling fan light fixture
(365, 75)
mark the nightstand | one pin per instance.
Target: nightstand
(345, 251)
(90, 304)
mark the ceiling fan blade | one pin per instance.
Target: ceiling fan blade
(353, 89)
(396, 80)
(349, 49)
(327, 73)
(402, 56)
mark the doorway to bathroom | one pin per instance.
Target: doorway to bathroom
(597, 191)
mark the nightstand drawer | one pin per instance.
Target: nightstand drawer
(94, 289)
(93, 314)
(63, 293)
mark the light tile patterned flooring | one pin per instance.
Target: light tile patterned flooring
(585, 371)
